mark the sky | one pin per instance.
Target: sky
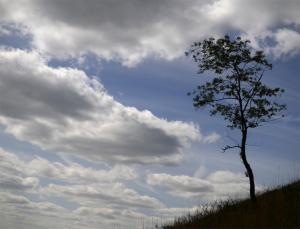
(96, 128)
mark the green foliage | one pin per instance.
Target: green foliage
(237, 91)
(278, 208)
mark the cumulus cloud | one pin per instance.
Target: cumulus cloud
(123, 30)
(22, 213)
(76, 173)
(118, 195)
(13, 199)
(239, 15)
(18, 183)
(109, 213)
(18, 211)
(181, 185)
(287, 43)
(217, 185)
(63, 110)
(97, 195)
(24, 203)
(14, 168)
(12, 176)
(129, 31)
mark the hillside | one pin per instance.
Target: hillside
(277, 208)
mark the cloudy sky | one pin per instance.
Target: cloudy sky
(96, 130)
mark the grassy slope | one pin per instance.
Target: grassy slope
(278, 208)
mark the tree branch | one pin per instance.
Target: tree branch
(230, 147)
(226, 98)
(253, 91)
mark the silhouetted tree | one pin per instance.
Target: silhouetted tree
(236, 90)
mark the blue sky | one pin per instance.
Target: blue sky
(95, 124)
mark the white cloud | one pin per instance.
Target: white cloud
(18, 183)
(237, 14)
(129, 31)
(182, 185)
(12, 175)
(21, 213)
(108, 213)
(226, 177)
(15, 168)
(76, 173)
(217, 185)
(124, 30)
(98, 198)
(111, 194)
(13, 199)
(65, 111)
(211, 138)
(10, 163)
(105, 205)
(23, 203)
(287, 43)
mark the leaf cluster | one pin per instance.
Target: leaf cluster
(236, 92)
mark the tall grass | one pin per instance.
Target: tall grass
(277, 208)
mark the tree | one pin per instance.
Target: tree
(236, 90)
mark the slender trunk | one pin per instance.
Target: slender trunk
(247, 166)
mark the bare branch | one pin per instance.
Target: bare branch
(230, 147)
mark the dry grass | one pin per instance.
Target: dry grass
(278, 208)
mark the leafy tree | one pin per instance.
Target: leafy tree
(236, 90)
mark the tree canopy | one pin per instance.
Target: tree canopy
(236, 90)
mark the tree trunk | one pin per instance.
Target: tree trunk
(247, 166)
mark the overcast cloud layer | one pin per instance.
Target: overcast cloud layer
(129, 31)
